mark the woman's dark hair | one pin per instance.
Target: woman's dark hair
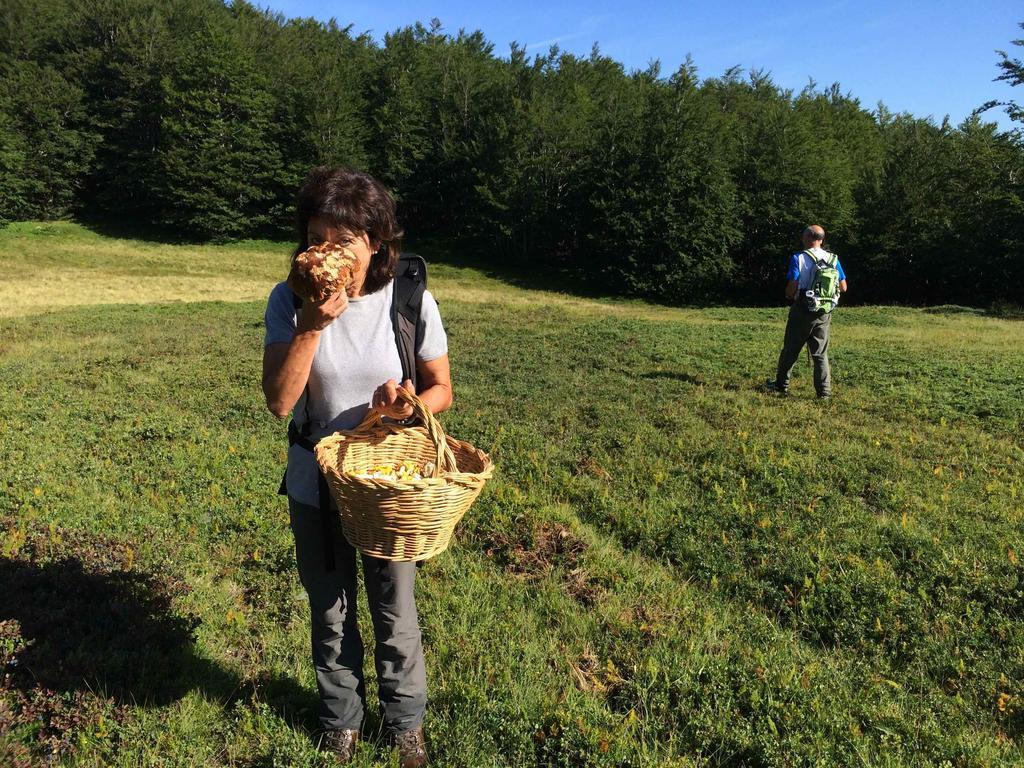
(355, 201)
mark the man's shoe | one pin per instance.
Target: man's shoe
(412, 748)
(342, 743)
(771, 387)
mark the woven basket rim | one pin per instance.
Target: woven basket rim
(406, 485)
(457, 446)
(402, 519)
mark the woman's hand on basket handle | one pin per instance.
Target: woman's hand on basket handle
(436, 389)
(385, 399)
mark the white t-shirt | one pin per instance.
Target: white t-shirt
(357, 353)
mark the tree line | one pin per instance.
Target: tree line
(200, 119)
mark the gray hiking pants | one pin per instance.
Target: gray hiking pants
(337, 645)
(805, 327)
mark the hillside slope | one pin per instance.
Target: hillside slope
(669, 568)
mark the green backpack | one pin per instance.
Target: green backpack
(823, 295)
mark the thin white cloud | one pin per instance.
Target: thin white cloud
(590, 25)
(808, 16)
(750, 50)
(557, 40)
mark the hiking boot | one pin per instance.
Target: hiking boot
(772, 388)
(412, 748)
(342, 743)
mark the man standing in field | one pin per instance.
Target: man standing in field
(814, 281)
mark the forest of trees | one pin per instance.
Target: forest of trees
(198, 120)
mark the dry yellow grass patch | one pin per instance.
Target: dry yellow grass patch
(58, 289)
(511, 296)
(962, 333)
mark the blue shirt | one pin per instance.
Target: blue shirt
(801, 268)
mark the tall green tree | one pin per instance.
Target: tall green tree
(983, 259)
(1012, 72)
(117, 50)
(663, 207)
(318, 75)
(45, 142)
(539, 198)
(908, 217)
(14, 176)
(438, 114)
(768, 150)
(216, 164)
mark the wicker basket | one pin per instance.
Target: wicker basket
(401, 519)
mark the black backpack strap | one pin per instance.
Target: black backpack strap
(406, 318)
(300, 437)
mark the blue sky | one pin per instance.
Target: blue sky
(927, 58)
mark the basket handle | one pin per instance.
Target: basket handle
(445, 458)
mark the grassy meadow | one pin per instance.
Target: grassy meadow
(668, 569)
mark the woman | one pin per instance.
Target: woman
(327, 363)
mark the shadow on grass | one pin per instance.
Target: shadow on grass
(107, 632)
(686, 378)
(84, 635)
(1003, 310)
(133, 228)
(548, 275)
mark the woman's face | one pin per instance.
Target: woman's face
(320, 230)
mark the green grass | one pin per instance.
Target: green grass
(668, 568)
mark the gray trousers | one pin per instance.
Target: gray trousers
(337, 645)
(805, 327)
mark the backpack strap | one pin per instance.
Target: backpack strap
(829, 260)
(406, 305)
(810, 258)
(300, 437)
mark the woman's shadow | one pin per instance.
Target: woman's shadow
(85, 622)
